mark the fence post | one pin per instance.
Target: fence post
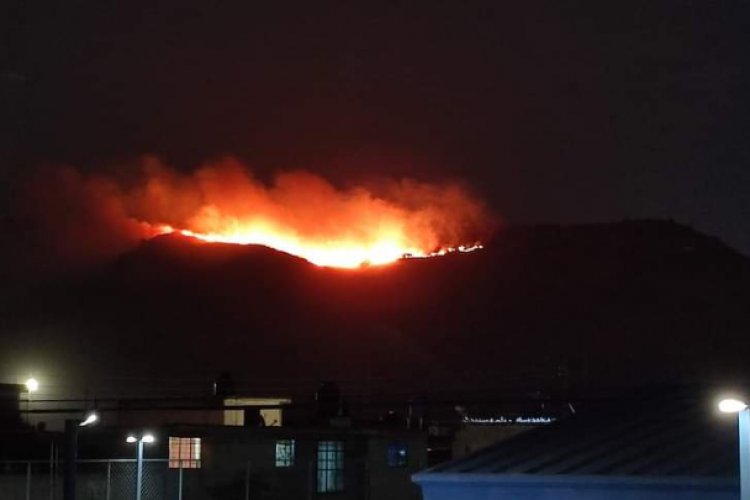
(247, 481)
(310, 483)
(28, 480)
(109, 479)
(366, 481)
(52, 470)
(179, 488)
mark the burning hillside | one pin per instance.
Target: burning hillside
(298, 213)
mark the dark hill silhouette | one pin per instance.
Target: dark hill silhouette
(590, 305)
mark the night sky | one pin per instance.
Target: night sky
(554, 111)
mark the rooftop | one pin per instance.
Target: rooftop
(649, 436)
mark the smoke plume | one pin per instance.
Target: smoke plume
(89, 217)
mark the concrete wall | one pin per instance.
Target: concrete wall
(499, 487)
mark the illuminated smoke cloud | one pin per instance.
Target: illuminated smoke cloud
(299, 213)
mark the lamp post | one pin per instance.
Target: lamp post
(72, 426)
(743, 417)
(145, 438)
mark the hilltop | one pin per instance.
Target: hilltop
(575, 306)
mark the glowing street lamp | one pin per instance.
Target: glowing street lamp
(32, 385)
(90, 419)
(139, 440)
(732, 406)
(743, 416)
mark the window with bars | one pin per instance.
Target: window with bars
(184, 452)
(285, 453)
(330, 466)
(397, 455)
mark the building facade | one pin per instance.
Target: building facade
(293, 463)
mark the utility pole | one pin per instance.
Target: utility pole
(71, 455)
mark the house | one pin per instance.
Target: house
(293, 463)
(219, 462)
(271, 462)
(642, 447)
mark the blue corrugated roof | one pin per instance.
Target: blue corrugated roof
(659, 437)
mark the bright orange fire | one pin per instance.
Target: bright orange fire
(298, 213)
(348, 254)
(304, 215)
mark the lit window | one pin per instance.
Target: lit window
(184, 453)
(285, 453)
(330, 466)
(397, 455)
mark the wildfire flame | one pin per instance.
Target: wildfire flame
(299, 213)
(344, 254)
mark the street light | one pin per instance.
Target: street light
(90, 419)
(743, 416)
(72, 426)
(32, 385)
(731, 406)
(145, 438)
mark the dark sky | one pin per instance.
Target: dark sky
(555, 111)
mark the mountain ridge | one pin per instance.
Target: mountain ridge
(561, 305)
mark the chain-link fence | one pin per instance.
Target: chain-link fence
(95, 480)
(115, 479)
